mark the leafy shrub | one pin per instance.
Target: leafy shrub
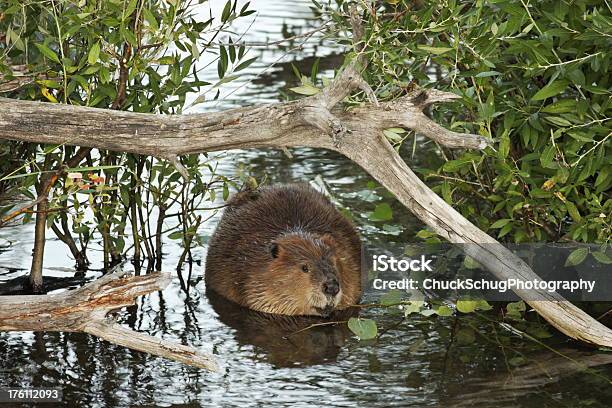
(137, 55)
(533, 76)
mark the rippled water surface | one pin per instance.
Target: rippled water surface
(275, 362)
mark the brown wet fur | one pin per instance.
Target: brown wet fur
(280, 248)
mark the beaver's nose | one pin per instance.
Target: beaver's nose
(331, 287)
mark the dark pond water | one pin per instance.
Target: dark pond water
(418, 361)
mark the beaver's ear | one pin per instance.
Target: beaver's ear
(329, 240)
(274, 249)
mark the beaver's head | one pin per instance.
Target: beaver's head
(308, 272)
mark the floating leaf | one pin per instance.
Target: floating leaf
(466, 306)
(602, 257)
(364, 329)
(414, 306)
(483, 305)
(577, 256)
(470, 263)
(444, 311)
(382, 212)
(392, 297)
(517, 361)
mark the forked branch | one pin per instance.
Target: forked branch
(87, 310)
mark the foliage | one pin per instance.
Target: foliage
(137, 55)
(533, 77)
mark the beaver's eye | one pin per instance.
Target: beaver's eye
(305, 268)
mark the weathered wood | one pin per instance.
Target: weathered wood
(283, 125)
(86, 310)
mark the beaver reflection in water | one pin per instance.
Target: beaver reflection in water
(281, 340)
(285, 250)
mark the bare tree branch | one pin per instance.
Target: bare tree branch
(86, 309)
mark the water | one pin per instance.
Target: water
(275, 362)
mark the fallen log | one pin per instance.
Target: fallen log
(87, 310)
(316, 121)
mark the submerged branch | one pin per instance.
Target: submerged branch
(86, 310)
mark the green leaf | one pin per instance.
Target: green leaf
(227, 10)
(150, 19)
(167, 60)
(444, 311)
(559, 121)
(504, 145)
(470, 263)
(94, 53)
(382, 212)
(414, 306)
(466, 306)
(515, 309)
(602, 257)
(547, 156)
(483, 305)
(452, 166)
(47, 52)
(305, 90)
(517, 361)
(573, 211)
(577, 256)
(225, 80)
(392, 136)
(176, 235)
(552, 89)
(561, 106)
(364, 329)
(500, 223)
(487, 74)
(539, 332)
(392, 297)
(49, 83)
(516, 306)
(245, 64)
(435, 50)
(505, 230)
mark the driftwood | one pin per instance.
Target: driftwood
(317, 121)
(86, 310)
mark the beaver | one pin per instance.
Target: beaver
(285, 249)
